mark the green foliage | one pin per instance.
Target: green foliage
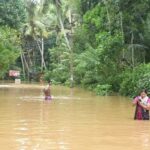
(86, 5)
(144, 82)
(92, 18)
(12, 13)
(109, 41)
(60, 65)
(135, 80)
(105, 89)
(95, 64)
(85, 66)
(9, 49)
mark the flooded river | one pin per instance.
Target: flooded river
(74, 120)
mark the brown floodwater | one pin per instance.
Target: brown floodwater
(74, 120)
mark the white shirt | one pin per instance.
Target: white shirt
(144, 100)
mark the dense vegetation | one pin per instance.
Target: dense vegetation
(102, 45)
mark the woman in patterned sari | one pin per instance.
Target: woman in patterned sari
(142, 103)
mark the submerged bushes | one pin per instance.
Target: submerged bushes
(105, 89)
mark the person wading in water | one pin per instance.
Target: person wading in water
(142, 103)
(47, 91)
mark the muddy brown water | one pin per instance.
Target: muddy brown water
(74, 120)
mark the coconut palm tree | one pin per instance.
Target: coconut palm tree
(35, 29)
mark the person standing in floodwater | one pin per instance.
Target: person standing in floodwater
(142, 103)
(47, 91)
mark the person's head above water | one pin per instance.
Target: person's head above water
(49, 82)
(143, 93)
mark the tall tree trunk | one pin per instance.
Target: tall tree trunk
(108, 16)
(122, 32)
(68, 45)
(71, 53)
(26, 64)
(132, 49)
(29, 58)
(42, 54)
(23, 65)
(40, 45)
